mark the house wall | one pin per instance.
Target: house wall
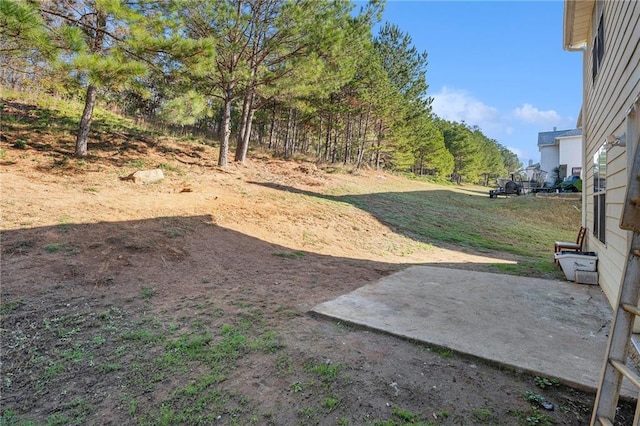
(570, 152)
(608, 109)
(549, 157)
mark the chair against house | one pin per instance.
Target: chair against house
(565, 245)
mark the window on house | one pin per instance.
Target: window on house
(597, 52)
(599, 193)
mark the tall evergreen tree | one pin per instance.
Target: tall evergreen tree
(229, 25)
(406, 67)
(430, 154)
(465, 150)
(510, 159)
(491, 161)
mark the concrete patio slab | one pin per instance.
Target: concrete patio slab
(543, 327)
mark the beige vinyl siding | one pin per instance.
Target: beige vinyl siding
(606, 102)
(617, 177)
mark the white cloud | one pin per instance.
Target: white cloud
(523, 155)
(530, 114)
(517, 128)
(459, 105)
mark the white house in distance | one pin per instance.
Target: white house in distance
(561, 149)
(533, 171)
(608, 35)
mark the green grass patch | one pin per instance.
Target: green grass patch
(284, 364)
(61, 247)
(211, 352)
(326, 372)
(142, 335)
(483, 416)
(137, 163)
(54, 247)
(65, 326)
(54, 370)
(173, 232)
(291, 254)
(20, 144)
(525, 226)
(532, 417)
(169, 168)
(109, 367)
(268, 342)
(147, 293)
(74, 355)
(330, 403)
(405, 416)
(443, 352)
(10, 306)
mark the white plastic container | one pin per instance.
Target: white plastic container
(572, 261)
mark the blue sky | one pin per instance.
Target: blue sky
(499, 65)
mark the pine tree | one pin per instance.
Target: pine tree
(104, 45)
(298, 50)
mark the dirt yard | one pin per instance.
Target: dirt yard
(186, 301)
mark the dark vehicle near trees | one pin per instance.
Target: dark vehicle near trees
(507, 187)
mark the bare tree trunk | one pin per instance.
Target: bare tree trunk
(306, 142)
(277, 138)
(327, 141)
(287, 135)
(92, 91)
(247, 136)
(347, 142)
(273, 121)
(334, 147)
(319, 142)
(243, 123)
(378, 147)
(85, 121)
(363, 143)
(247, 119)
(294, 131)
(226, 128)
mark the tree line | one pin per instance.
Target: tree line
(305, 77)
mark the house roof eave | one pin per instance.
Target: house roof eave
(579, 120)
(577, 22)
